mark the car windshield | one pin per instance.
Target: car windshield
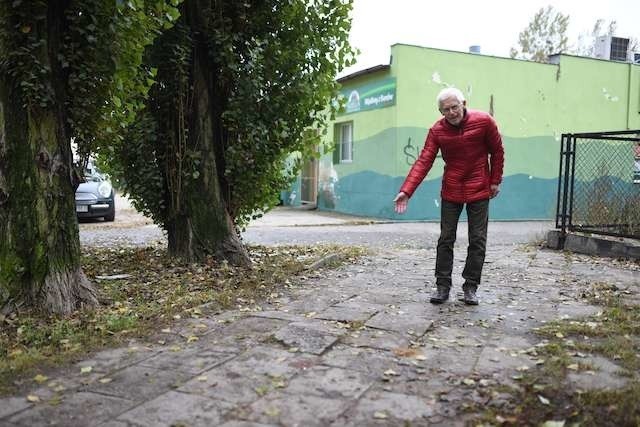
(93, 176)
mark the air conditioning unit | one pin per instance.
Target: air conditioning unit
(612, 48)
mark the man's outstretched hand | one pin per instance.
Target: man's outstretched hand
(401, 202)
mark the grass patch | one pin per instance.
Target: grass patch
(543, 393)
(157, 288)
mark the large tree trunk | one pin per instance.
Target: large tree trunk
(39, 242)
(201, 225)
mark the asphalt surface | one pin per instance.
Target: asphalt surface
(302, 226)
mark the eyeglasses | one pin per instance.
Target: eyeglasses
(452, 109)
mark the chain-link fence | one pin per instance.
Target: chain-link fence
(599, 183)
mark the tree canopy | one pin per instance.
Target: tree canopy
(545, 35)
(238, 84)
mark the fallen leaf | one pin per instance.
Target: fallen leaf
(543, 400)
(272, 412)
(469, 381)
(573, 367)
(192, 338)
(40, 378)
(33, 398)
(105, 380)
(406, 352)
(262, 390)
(380, 415)
(553, 424)
(55, 400)
(391, 372)
(86, 369)
(202, 378)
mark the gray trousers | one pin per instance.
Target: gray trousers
(478, 218)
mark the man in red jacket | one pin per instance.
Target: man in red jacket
(472, 151)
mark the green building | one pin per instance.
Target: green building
(389, 109)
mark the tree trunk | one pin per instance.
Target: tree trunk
(39, 241)
(202, 225)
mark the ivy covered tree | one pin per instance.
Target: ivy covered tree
(545, 35)
(68, 69)
(238, 84)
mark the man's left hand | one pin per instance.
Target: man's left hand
(495, 189)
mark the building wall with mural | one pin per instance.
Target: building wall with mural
(390, 109)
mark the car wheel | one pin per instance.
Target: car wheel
(111, 216)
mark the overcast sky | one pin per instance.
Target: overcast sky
(494, 25)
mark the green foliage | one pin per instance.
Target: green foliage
(97, 61)
(21, 49)
(545, 35)
(284, 87)
(274, 65)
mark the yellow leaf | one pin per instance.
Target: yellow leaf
(192, 338)
(40, 378)
(573, 367)
(33, 398)
(86, 369)
(262, 390)
(406, 352)
(105, 380)
(272, 412)
(380, 415)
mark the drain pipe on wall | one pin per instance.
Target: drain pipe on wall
(629, 96)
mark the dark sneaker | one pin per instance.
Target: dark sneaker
(440, 296)
(470, 297)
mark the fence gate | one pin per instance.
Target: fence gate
(599, 183)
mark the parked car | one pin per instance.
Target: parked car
(95, 198)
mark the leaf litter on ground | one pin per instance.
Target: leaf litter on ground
(153, 291)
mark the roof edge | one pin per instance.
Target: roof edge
(369, 70)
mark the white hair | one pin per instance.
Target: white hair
(449, 92)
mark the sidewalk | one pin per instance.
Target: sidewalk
(287, 216)
(358, 346)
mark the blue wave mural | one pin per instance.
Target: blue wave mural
(368, 193)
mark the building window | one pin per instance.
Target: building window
(344, 143)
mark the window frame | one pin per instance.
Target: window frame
(342, 146)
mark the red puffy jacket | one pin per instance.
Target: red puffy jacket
(473, 157)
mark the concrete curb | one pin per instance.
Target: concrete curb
(594, 245)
